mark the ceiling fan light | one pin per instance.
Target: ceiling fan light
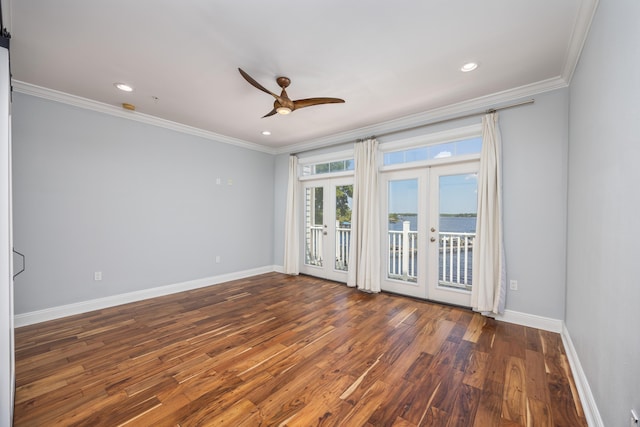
(283, 110)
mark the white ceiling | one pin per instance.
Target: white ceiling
(386, 59)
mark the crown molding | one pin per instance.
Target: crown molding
(100, 107)
(494, 100)
(480, 104)
(579, 35)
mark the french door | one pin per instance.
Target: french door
(326, 223)
(428, 230)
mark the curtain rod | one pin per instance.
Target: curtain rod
(437, 122)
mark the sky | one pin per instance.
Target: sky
(458, 194)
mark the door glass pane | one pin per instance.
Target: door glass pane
(402, 230)
(344, 195)
(458, 201)
(313, 228)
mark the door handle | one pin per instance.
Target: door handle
(325, 233)
(433, 229)
(433, 239)
(24, 264)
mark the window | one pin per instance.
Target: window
(436, 151)
(328, 167)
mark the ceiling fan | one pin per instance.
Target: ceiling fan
(283, 104)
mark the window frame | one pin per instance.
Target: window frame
(453, 135)
(336, 156)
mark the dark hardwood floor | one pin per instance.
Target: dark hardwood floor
(277, 350)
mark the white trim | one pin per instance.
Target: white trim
(430, 163)
(589, 406)
(327, 175)
(424, 118)
(52, 313)
(327, 157)
(100, 107)
(531, 320)
(317, 159)
(403, 123)
(579, 35)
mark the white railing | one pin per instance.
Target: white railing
(456, 259)
(454, 263)
(403, 254)
(343, 243)
(313, 246)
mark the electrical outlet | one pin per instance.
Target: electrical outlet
(230, 181)
(97, 276)
(633, 421)
(217, 259)
(513, 285)
(218, 181)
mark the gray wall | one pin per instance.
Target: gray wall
(281, 179)
(139, 203)
(603, 290)
(535, 141)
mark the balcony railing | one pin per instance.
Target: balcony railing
(456, 259)
(315, 247)
(454, 262)
(403, 254)
(343, 243)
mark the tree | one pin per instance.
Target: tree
(318, 205)
(344, 195)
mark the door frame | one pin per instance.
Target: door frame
(416, 289)
(427, 285)
(327, 270)
(435, 290)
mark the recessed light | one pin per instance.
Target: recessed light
(123, 87)
(469, 66)
(266, 133)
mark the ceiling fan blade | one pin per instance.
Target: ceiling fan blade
(257, 85)
(270, 113)
(283, 102)
(301, 103)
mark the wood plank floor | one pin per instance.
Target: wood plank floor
(277, 350)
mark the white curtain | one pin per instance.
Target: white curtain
(364, 255)
(489, 272)
(291, 232)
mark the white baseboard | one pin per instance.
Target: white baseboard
(531, 320)
(589, 406)
(278, 268)
(52, 313)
